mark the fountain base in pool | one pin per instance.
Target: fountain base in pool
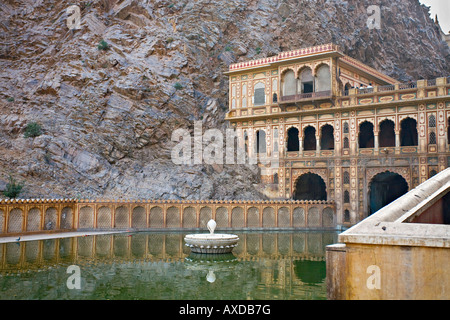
(211, 243)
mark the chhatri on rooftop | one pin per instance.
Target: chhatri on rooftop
(320, 51)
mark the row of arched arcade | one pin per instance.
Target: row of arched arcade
(324, 138)
(383, 188)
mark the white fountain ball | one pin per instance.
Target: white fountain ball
(211, 226)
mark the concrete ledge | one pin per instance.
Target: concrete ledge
(390, 225)
(400, 234)
(387, 257)
(55, 235)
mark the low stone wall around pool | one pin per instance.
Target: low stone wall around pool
(27, 216)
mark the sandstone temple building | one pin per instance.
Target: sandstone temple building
(325, 126)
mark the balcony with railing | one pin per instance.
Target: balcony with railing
(422, 89)
(433, 82)
(306, 96)
(397, 92)
(387, 88)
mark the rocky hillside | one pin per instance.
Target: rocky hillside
(107, 113)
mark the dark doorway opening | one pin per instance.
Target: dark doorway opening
(387, 134)
(448, 131)
(246, 142)
(446, 207)
(408, 133)
(260, 141)
(310, 186)
(275, 178)
(310, 139)
(327, 138)
(293, 144)
(385, 188)
(307, 81)
(308, 87)
(347, 88)
(366, 136)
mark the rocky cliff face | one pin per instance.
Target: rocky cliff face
(107, 115)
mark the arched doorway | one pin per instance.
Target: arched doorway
(309, 139)
(387, 134)
(289, 83)
(408, 133)
(347, 88)
(448, 131)
(323, 79)
(260, 146)
(366, 136)
(292, 143)
(310, 186)
(327, 138)
(384, 188)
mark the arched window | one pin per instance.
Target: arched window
(346, 143)
(260, 141)
(346, 178)
(387, 133)
(289, 83)
(244, 95)
(366, 136)
(233, 97)
(346, 196)
(323, 79)
(432, 121)
(432, 129)
(408, 132)
(306, 81)
(432, 138)
(327, 138)
(433, 173)
(246, 142)
(346, 129)
(259, 96)
(347, 88)
(274, 98)
(292, 143)
(275, 140)
(346, 216)
(309, 140)
(275, 178)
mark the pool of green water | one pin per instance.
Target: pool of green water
(149, 265)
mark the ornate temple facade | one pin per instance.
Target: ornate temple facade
(325, 126)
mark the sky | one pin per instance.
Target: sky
(442, 9)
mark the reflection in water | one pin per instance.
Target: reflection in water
(270, 265)
(211, 263)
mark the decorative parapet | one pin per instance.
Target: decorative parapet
(367, 69)
(35, 201)
(421, 89)
(49, 215)
(284, 56)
